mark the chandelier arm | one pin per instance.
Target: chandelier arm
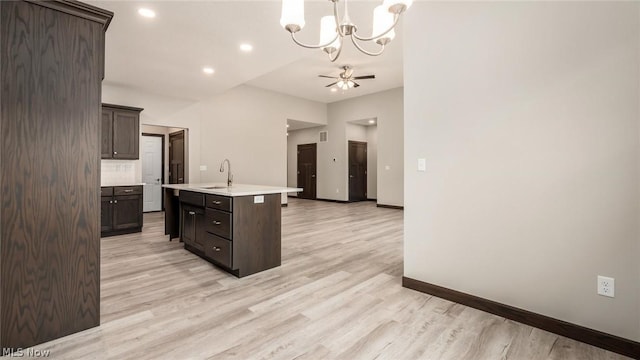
(293, 36)
(355, 42)
(333, 59)
(396, 17)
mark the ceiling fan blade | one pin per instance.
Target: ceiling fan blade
(355, 84)
(365, 77)
(330, 85)
(327, 76)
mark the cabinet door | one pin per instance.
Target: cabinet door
(188, 226)
(106, 138)
(126, 128)
(106, 213)
(127, 212)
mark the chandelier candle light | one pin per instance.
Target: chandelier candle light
(332, 32)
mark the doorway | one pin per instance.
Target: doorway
(307, 156)
(357, 171)
(152, 171)
(176, 157)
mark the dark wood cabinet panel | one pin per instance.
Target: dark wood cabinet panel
(244, 240)
(120, 132)
(127, 212)
(106, 140)
(106, 213)
(122, 211)
(126, 135)
(51, 58)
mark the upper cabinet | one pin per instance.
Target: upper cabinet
(120, 132)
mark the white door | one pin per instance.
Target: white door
(152, 173)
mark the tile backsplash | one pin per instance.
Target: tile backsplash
(118, 172)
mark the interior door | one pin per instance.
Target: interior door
(357, 171)
(152, 170)
(307, 171)
(176, 157)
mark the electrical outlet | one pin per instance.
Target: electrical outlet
(606, 286)
(337, 190)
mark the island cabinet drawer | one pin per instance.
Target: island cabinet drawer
(127, 190)
(219, 202)
(218, 249)
(106, 191)
(218, 222)
(193, 198)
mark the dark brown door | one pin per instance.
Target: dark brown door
(107, 134)
(357, 171)
(307, 171)
(126, 138)
(176, 157)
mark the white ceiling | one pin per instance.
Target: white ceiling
(165, 55)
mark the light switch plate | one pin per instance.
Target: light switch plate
(422, 164)
(203, 167)
(258, 199)
(387, 167)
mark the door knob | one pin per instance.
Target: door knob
(313, 175)
(351, 176)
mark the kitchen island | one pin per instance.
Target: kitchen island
(236, 227)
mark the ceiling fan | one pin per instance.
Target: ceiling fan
(345, 80)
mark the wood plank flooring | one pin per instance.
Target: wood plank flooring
(337, 295)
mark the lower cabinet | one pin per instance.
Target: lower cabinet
(121, 210)
(236, 233)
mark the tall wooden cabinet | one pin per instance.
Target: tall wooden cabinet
(51, 66)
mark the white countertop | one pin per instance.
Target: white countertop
(234, 190)
(122, 184)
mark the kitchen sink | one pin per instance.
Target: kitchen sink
(215, 187)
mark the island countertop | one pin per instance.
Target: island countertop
(234, 190)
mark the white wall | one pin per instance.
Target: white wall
(387, 108)
(528, 115)
(247, 125)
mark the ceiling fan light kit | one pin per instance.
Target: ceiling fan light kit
(345, 80)
(332, 32)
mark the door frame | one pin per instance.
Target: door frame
(366, 170)
(315, 162)
(183, 133)
(163, 167)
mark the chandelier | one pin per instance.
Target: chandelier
(332, 32)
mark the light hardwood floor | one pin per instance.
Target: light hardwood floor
(337, 295)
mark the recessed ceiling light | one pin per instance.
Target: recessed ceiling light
(372, 121)
(334, 89)
(208, 70)
(246, 47)
(148, 13)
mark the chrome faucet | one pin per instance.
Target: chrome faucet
(229, 174)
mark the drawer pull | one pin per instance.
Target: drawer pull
(216, 222)
(216, 202)
(215, 248)
(191, 213)
(128, 190)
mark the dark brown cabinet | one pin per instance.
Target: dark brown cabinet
(240, 234)
(120, 137)
(121, 210)
(51, 65)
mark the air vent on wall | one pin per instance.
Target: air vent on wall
(324, 136)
